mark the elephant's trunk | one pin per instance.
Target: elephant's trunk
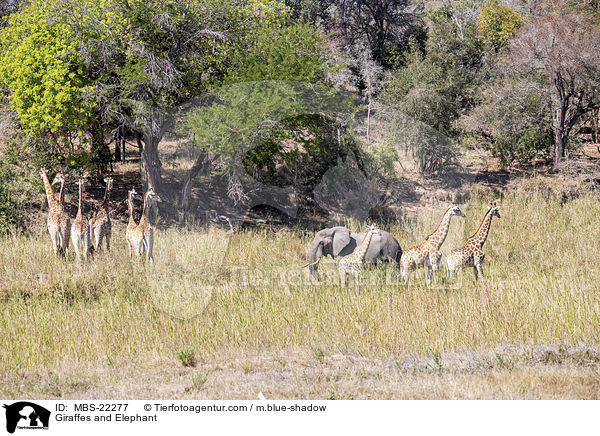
(314, 256)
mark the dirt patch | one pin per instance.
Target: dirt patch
(544, 372)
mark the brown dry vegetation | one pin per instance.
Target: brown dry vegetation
(255, 321)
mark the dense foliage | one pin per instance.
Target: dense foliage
(517, 77)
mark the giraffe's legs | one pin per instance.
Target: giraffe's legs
(55, 240)
(479, 269)
(148, 247)
(140, 248)
(86, 246)
(356, 279)
(406, 270)
(478, 262)
(342, 279)
(96, 238)
(77, 248)
(107, 240)
(434, 260)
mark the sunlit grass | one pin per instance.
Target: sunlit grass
(212, 291)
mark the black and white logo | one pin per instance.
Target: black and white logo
(26, 415)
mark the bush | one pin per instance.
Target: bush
(532, 143)
(187, 356)
(511, 122)
(19, 183)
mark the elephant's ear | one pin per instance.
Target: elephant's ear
(341, 238)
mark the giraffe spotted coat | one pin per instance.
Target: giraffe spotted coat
(471, 254)
(80, 230)
(59, 223)
(100, 224)
(428, 253)
(354, 263)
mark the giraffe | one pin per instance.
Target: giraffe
(471, 254)
(354, 262)
(428, 253)
(59, 223)
(144, 232)
(53, 220)
(80, 230)
(100, 226)
(131, 225)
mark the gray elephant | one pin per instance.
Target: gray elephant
(339, 242)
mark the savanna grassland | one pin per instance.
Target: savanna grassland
(224, 315)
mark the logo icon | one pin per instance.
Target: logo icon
(26, 415)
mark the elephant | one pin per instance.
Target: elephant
(339, 242)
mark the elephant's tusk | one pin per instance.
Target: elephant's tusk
(311, 264)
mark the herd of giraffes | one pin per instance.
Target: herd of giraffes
(427, 254)
(87, 235)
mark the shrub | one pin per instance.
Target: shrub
(187, 356)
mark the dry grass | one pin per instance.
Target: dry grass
(535, 373)
(94, 325)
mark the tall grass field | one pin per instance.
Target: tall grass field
(222, 296)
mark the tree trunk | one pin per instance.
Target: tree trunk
(152, 164)
(560, 145)
(152, 170)
(595, 125)
(118, 155)
(561, 135)
(369, 119)
(184, 200)
(101, 154)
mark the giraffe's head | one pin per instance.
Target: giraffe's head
(494, 210)
(374, 230)
(59, 178)
(109, 182)
(43, 172)
(133, 195)
(152, 196)
(455, 211)
(81, 183)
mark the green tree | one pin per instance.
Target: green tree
(437, 85)
(511, 121)
(293, 52)
(41, 68)
(497, 23)
(276, 114)
(123, 62)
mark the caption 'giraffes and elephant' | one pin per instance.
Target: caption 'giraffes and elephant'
(350, 250)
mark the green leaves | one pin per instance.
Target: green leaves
(281, 53)
(39, 64)
(497, 23)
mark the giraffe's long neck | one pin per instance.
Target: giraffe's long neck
(52, 201)
(361, 250)
(439, 235)
(61, 195)
(144, 218)
(106, 198)
(481, 234)
(80, 207)
(130, 204)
